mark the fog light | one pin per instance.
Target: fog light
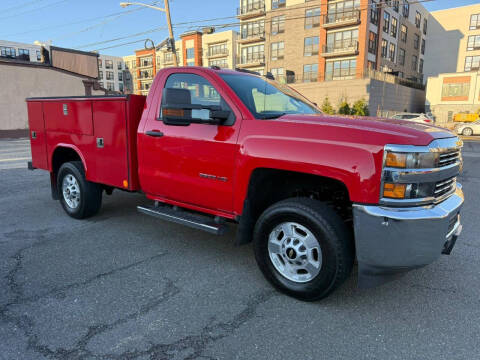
(394, 191)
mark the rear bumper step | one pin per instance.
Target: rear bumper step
(183, 217)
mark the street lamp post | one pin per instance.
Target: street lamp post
(166, 10)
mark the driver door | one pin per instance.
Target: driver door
(192, 164)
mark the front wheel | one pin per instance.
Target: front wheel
(79, 198)
(467, 132)
(303, 248)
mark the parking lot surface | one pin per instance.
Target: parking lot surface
(125, 286)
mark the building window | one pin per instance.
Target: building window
(312, 18)
(278, 4)
(406, 9)
(340, 69)
(394, 28)
(396, 5)
(24, 54)
(253, 29)
(420, 66)
(475, 22)
(100, 75)
(120, 76)
(110, 86)
(310, 46)
(253, 54)
(310, 73)
(342, 40)
(416, 41)
(473, 43)
(278, 25)
(218, 49)
(454, 90)
(401, 56)
(168, 57)
(384, 48)
(342, 10)
(120, 87)
(425, 26)
(190, 53)
(110, 75)
(277, 50)
(119, 65)
(414, 63)
(386, 22)
(108, 64)
(278, 73)
(403, 33)
(146, 61)
(423, 47)
(8, 52)
(391, 52)
(39, 55)
(100, 63)
(221, 63)
(418, 19)
(372, 43)
(374, 13)
(472, 63)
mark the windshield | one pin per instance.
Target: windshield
(268, 99)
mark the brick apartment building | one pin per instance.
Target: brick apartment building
(318, 40)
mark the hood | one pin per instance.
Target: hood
(374, 130)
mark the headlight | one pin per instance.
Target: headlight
(411, 160)
(408, 191)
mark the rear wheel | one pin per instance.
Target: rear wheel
(79, 198)
(467, 132)
(303, 248)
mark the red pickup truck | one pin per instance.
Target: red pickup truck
(313, 192)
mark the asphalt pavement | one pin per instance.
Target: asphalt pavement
(125, 286)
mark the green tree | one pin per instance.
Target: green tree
(360, 107)
(327, 107)
(344, 108)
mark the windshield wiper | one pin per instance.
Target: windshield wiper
(272, 116)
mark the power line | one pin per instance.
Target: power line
(33, 10)
(21, 5)
(178, 25)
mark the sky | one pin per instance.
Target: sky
(104, 26)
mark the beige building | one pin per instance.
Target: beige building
(220, 49)
(452, 93)
(454, 41)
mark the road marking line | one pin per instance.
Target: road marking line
(17, 159)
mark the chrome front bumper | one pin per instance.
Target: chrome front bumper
(390, 241)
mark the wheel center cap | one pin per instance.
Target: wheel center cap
(291, 253)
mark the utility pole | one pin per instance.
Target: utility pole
(170, 30)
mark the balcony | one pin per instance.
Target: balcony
(168, 60)
(248, 37)
(214, 53)
(251, 60)
(145, 64)
(251, 10)
(340, 48)
(346, 18)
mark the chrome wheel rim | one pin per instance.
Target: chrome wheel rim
(295, 252)
(71, 191)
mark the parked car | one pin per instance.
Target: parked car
(419, 118)
(313, 192)
(469, 129)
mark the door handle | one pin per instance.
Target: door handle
(154, 133)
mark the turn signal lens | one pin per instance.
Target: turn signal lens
(397, 160)
(394, 191)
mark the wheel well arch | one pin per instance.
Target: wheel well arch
(268, 186)
(63, 154)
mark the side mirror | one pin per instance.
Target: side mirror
(177, 109)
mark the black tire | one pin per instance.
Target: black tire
(467, 132)
(335, 240)
(90, 193)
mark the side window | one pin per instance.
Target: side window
(201, 93)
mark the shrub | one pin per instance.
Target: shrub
(327, 107)
(360, 107)
(344, 108)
